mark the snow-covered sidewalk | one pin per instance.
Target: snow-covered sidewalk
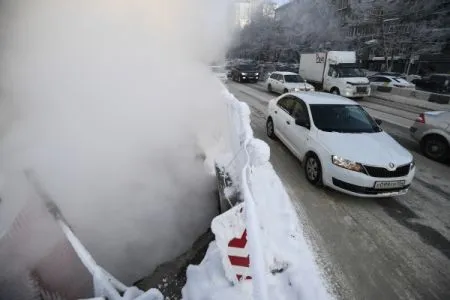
(290, 270)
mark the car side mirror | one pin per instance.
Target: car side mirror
(301, 121)
(378, 121)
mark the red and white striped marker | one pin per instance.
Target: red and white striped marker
(239, 256)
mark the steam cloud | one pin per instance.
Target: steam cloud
(110, 102)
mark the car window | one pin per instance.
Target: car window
(293, 78)
(300, 110)
(287, 103)
(273, 76)
(436, 78)
(385, 79)
(343, 118)
(374, 79)
(330, 71)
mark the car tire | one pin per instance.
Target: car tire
(335, 91)
(269, 88)
(435, 147)
(313, 169)
(270, 129)
(285, 91)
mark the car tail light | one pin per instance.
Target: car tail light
(421, 118)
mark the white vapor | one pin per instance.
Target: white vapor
(110, 103)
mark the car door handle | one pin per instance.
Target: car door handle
(289, 123)
(276, 111)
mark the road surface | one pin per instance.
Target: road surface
(396, 248)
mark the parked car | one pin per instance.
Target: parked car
(284, 82)
(436, 83)
(220, 72)
(391, 81)
(340, 144)
(245, 72)
(391, 74)
(432, 130)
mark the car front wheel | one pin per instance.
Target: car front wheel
(313, 169)
(335, 91)
(270, 129)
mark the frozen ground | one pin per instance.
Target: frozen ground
(396, 248)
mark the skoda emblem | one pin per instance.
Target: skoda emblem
(391, 165)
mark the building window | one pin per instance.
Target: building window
(342, 4)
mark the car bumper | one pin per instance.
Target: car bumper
(416, 131)
(362, 185)
(250, 78)
(351, 93)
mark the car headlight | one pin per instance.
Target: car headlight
(347, 164)
(349, 86)
(412, 165)
(256, 74)
(244, 74)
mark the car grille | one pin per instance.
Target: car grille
(361, 89)
(385, 173)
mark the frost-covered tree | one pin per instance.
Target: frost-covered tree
(398, 27)
(301, 25)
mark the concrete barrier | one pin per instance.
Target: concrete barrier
(414, 94)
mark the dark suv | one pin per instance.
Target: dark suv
(436, 83)
(245, 73)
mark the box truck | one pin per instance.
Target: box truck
(335, 72)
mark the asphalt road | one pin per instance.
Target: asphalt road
(396, 248)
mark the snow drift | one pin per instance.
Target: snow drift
(289, 270)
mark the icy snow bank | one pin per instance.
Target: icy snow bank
(289, 270)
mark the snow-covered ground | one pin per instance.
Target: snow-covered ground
(289, 270)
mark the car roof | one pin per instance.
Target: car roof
(323, 98)
(388, 76)
(440, 74)
(284, 73)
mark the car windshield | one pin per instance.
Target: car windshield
(218, 69)
(400, 80)
(247, 67)
(293, 78)
(343, 118)
(350, 72)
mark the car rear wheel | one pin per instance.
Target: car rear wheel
(270, 129)
(436, 148)
(313, 169)
(269, 88)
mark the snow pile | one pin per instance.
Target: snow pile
(289, 270)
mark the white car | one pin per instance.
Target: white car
(391, 81)
(340, 144)
(284, 82)
(220, 72)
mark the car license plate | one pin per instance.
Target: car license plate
(385, 185)
(360, 89)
